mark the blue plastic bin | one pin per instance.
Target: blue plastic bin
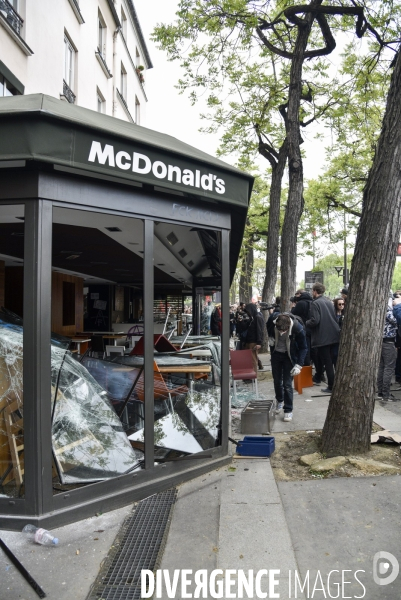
(256, 446)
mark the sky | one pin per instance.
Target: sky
(170, 112)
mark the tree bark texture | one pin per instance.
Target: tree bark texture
(349, 418)
(273, 229)
(295, 202)
(273, 233)
(245, 281)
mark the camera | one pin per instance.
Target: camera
(266, 306)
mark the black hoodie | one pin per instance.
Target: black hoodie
(257, 325)
(302, 307)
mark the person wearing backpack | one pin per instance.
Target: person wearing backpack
(287, 358)
(303, 301)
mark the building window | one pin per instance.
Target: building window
(137, 58)
(69, 63)
(101, 102)
(123, 82)
(137, 111)
(123, 24)
(101, 40)
(6, 88)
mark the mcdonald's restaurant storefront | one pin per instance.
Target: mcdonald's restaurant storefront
(117, 246)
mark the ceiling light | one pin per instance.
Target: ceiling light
(113, 229)
(183, 253)
(133, 243)
(172, 238)
(161, 265)
(191, 263)
(72, 257)
(172, 271)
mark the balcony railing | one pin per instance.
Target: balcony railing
(12, 17)
(68, 93)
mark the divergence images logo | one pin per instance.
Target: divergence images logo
(381, 566)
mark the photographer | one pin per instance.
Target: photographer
(242, 322)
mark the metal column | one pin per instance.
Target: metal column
(37, 355)
(225, 337)
(148, 296)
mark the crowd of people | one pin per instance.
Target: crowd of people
(309, 335)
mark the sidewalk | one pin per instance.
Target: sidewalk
(239, 518)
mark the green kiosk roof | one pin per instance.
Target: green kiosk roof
(42, 128)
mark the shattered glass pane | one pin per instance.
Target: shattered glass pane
(89, 442)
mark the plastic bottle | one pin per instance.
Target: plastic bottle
(40, 536)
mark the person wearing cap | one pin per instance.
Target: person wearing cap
(287, 358)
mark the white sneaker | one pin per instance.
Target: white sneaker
(287, 416)
(279, 407)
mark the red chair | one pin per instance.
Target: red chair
(242, 368)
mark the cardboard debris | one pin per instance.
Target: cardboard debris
(385, 436)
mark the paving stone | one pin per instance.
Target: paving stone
(328, 464)
(374, 467)
(308, 459)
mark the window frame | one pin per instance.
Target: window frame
(69, 62)
(101, 34)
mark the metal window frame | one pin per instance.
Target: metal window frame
(40, 505)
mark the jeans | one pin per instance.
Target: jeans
(325, 362)
(281, 367)
(386, 368)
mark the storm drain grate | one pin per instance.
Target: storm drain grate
(138, 546)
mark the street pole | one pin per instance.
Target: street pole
(345, 250)
(313, 246)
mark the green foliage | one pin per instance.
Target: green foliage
(225, 60)
(396, 282)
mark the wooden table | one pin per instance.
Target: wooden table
(114, 337)
(78, 341)
(189, 369)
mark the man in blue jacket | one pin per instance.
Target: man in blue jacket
(288, 355)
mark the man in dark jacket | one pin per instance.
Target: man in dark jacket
(288, 356)
(325, 332)
(303, 301)
(254, 335)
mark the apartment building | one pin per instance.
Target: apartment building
(87, 52)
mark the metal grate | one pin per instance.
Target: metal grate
(139, 545)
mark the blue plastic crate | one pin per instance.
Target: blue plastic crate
(256, 446)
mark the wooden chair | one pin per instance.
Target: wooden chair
(161, 390)
(15, 433)
(242, 368)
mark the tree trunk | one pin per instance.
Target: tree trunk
(349, 418)
(273, 233)
(295, 202)
(273, 229)
(245, 281)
